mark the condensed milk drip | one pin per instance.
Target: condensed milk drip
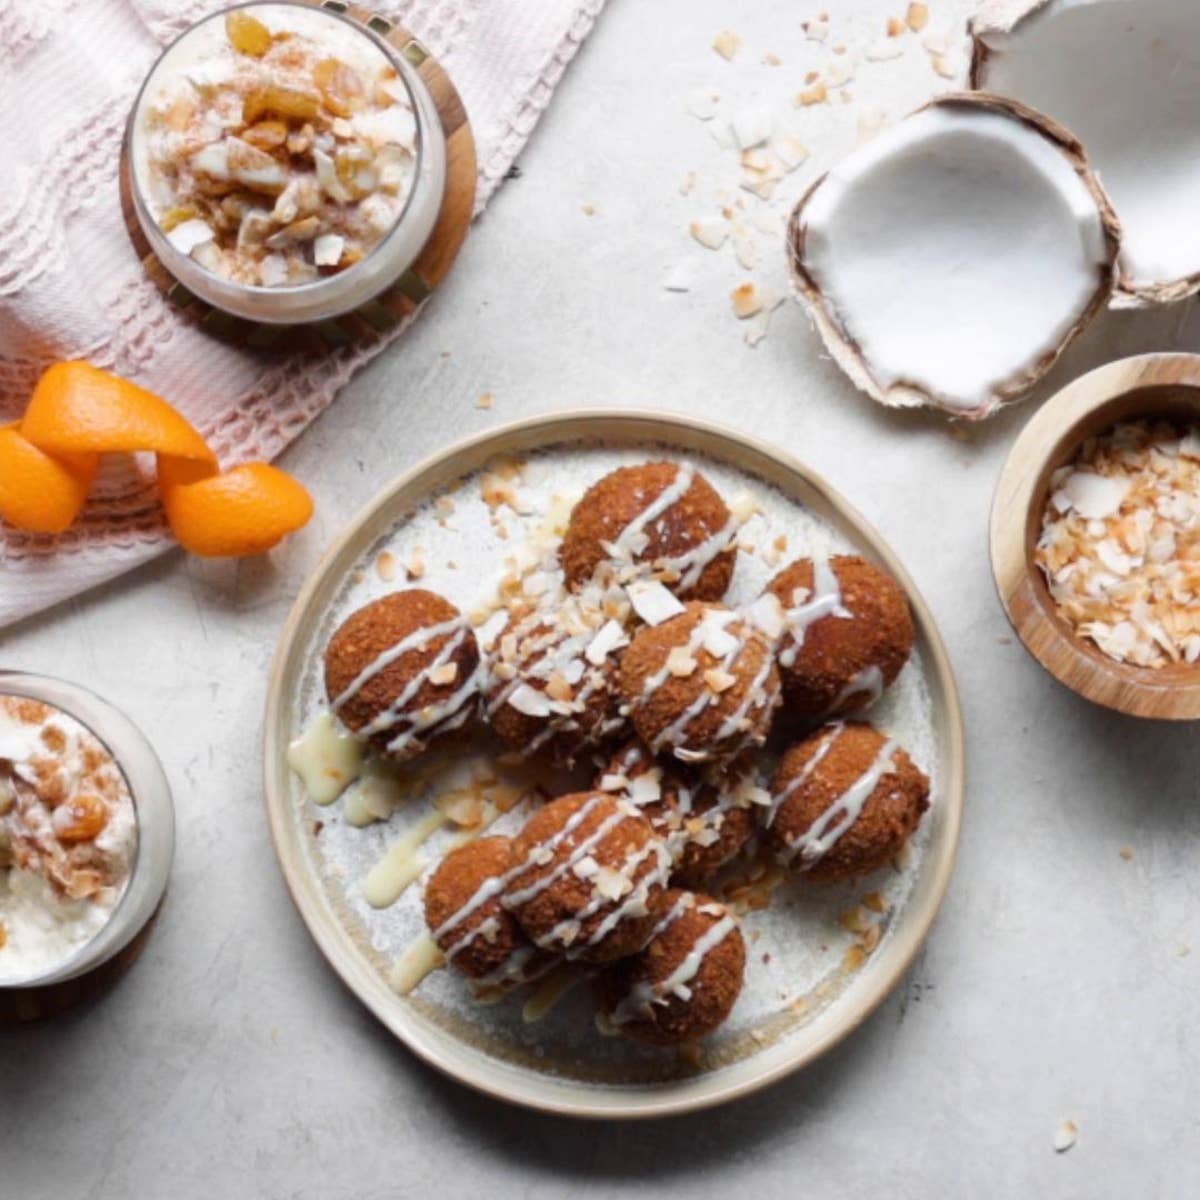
(327, 758)
(641, 998)
(825, 832)
(825, 600)
(450, 714)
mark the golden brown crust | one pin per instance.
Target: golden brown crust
(687, 828)
(673, 1019)
(570, 913)
(888, 819)
(611, 503)
(837, 649)
(457, 879)
(707, 736)
(369, 632)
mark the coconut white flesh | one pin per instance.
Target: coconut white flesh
(950, 260)
(1124, 77)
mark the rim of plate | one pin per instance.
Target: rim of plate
(436, 1046)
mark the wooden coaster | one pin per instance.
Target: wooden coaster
(412, 289)
(38, 1004)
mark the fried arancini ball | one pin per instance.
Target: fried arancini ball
(706, 818)
(403, 670)
(848, 632)
(843, 802)
(588, 867)
(684, 984)
(468, 923)
(660, 520)
(549, 690)
(701, 686)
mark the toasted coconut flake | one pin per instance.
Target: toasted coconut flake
(990, 171)
(817, 94)
(653, 602)
(727, 44)
(680, 662)
(702, 104)
(1120, 542)
(884, 50)
(710, 232)
(610, 637)
(1065, 1136)
(752, 125)
(680, 277)
(746, 300)
(530, 701)
(718, 680)
(743, 247)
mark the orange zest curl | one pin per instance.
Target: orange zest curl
(77, 412)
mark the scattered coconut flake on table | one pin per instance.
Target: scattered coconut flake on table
(1120, 544)
(787, 111)
(1065, 1136)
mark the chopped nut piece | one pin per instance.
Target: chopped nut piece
(485, 401)
(444, 674)
(818, 94)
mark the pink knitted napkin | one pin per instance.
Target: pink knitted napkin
(71, 287)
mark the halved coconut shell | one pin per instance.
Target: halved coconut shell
(951, 260)
(1124, 77)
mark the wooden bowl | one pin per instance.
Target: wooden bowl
(1148, 386)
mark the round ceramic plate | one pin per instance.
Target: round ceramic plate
(820, 960)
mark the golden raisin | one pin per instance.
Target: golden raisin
(247, 34)
(340, 86)
(266, 135)
(279, 101)
(80, 820)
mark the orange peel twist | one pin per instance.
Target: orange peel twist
(77, 412)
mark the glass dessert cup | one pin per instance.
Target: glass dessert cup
(155, 818)
(331, 295)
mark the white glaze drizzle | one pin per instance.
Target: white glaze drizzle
(565, 932)
(831, 735)
(644, 995)
(824, 833)
(578, 852)
(691, 564)
(868, 681)
(679, 487)
(451, 714)
(395, 710)
(416, 640)
(824, 601)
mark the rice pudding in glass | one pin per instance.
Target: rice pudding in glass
(287, 164)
